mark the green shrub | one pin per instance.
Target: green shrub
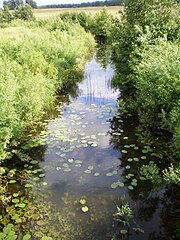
(24, 12)
(158, 88)
(34, 64)
(102, 23)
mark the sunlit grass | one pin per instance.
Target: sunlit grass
(50, 12)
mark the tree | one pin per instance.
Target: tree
(24, 12)
(32, 3)
(12, 4)
(5, 15)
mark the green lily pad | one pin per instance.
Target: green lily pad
(42, 175)
(28, 185)
(21, 205)
(36, 179)
(78, 161)
(109, 174)
(12, 181)
(70, 160)
(34, 162)
(130, 187)
(117, 184)
(15, 200)
(123, 231)
(15, 194)
(124, 151)
(27, 237)
(130, 159)
(90, 167)
(127, 167)
(85, 209)
(67, 170)
(96, 174)
(82, 201)
(134, 183)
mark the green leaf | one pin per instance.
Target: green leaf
(46, 238)
(82, 201)
(27, 237)
(123, 231)
(12, 181)
(96, 174)
(85, 209)
(2, 170)
(28, 185)
(130, 187)
(15, 200)
(21, 205)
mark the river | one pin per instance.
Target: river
(85, 172)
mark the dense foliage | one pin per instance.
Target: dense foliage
(14, 4)
(145, 49)
(23, 12)
(35, 63)
(99, 24)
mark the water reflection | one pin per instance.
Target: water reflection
(82, 159)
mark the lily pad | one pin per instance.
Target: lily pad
(130, 187)
(67, 170)
(127, 167)
(85, 209)
(130, 159)
(134, 183)
(42, 175)
(21, 205)
(15, 200)
(116, 184)
(34, 162)
(109, 174)
(90, 167)
(82, 201)
(96, 174)
(12, 181)
(27, 237)
(70, 160)
(123, 231)
(124, 151)
(28, 185)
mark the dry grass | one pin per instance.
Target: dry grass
(51, 12)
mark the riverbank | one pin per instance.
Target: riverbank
(35, 63)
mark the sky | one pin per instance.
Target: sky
(48, 2)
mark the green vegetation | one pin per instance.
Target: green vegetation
(23, 12)
(35, 63)
(40, 57)
(145, 46)
(99, 25)
(52, 12)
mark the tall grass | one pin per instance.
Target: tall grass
(35, 62)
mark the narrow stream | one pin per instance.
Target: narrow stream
(83, 170)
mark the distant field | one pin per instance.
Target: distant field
(50, 12)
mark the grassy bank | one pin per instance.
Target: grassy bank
(35, 62)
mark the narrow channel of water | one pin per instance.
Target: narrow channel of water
(85, 169)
